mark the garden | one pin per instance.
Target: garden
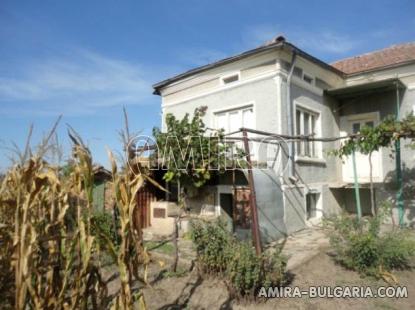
(57, 252)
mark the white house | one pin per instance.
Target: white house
(281, 89)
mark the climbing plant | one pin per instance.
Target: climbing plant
(189, 151)
(371, 139)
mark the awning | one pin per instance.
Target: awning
(365, 88)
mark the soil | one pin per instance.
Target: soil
(193, 292)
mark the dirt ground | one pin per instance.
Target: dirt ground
(193, 292)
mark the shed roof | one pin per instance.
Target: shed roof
(360, 89)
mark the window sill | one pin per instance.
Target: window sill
(310, 160)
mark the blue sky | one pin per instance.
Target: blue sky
(88, 59)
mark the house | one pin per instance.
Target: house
(281, 89)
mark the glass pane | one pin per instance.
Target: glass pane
(248, 118)
(313, 131)
(234, 121)
(311, 205)
(370, 124)
(356, 127)
(298, 130)
(306, 133)
(221, 122)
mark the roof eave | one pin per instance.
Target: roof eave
(218, 63)
(359, 89)
(158, 86)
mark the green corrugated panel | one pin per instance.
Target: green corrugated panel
(99, 196)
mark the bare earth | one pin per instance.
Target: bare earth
(193, 292)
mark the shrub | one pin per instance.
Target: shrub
(212, 242)
(360, 246)
(103, 227)
(220, 253)
(244, 269)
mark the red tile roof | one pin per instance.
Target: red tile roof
(390, 56)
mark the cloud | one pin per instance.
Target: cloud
(77, 82)
(323, 41)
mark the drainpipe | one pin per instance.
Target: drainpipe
(399, 180)
(290, 120)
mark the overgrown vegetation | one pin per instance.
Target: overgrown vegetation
(221, 254)
(49, 237)
(361, 246)
(192, 154)
(371, 139)
(189, 151)
(103, 227)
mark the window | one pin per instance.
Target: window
(308, 79)
(306, 124)
(230, 79)
(233, 120)
(298, 72)
(311, 205)
(357, 126)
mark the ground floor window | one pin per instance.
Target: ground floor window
(311, 205)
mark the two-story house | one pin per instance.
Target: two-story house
(279, 88)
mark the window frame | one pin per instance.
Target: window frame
(240, 108)
(230, 109)
(316, 145)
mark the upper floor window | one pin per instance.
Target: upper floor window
(298, 72)
(233, 120)
(308, 79)
(230, 78)
(306, 124)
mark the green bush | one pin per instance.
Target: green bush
(244, 272)
(360, 246)
(103, 227)
(213, 243)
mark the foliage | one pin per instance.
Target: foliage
(360, 245)
(103, 228)
(371, 139)
(219, 253)
(49, 238)
(53, 264)
(188, 151)
(212, 242)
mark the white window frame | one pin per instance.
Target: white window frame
(239, 108)
(224, 77)
(318, 147)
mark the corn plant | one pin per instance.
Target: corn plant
(48, 254)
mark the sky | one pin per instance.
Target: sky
(86, 60)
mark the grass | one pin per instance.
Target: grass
(165, 247)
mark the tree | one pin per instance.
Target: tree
(190, 154)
